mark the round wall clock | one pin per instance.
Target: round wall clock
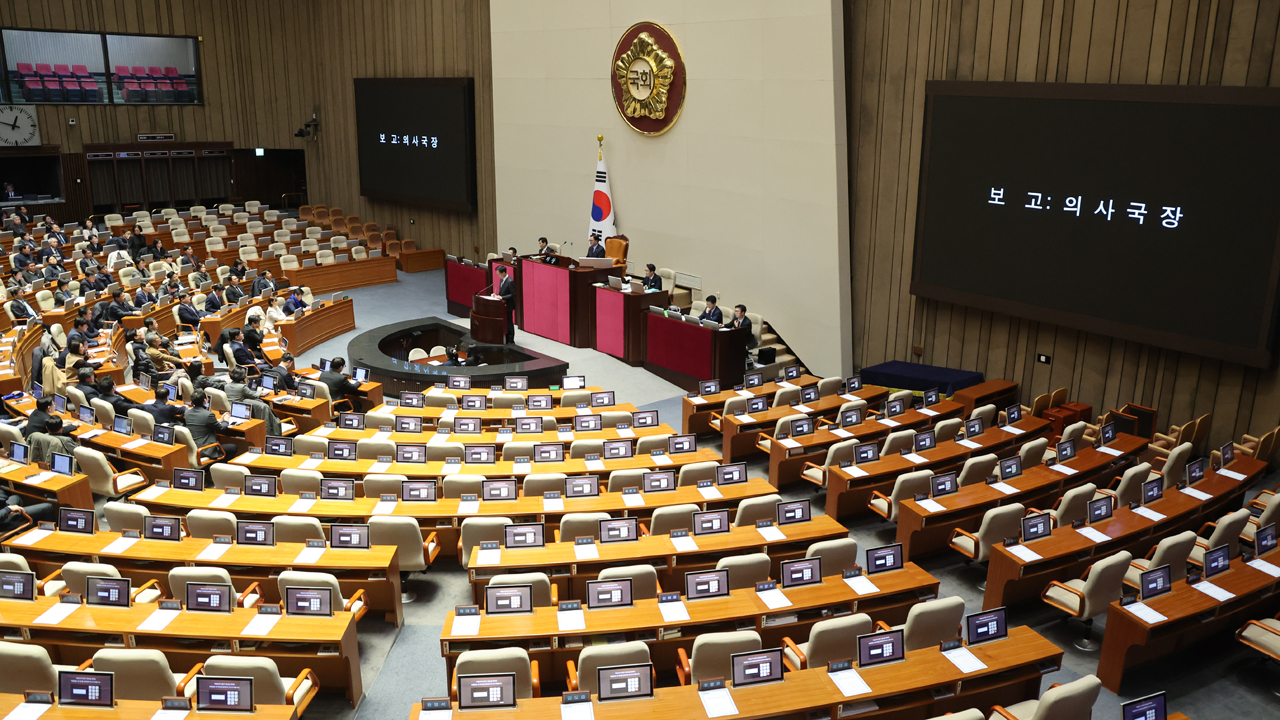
(18, 126)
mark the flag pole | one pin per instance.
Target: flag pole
(600, 139)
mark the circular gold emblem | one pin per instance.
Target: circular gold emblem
(648, 78)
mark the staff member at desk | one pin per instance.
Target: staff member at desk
(284, 373)
(507, 291)
(339, 385)
(294, 302)
(712, 312)
(740, 320)
(652, 280)
(595, 249)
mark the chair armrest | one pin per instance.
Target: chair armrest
(658, 585)
(572, 674)
(333, 406)
(306, 674)
(351, 601)
(253, 587)
(763, 436)
(556, 534)
(460, 558)
(138, 590)
(1078, 593)
(115, 479)
(816, 466)
(999, 710)
(1111, 493)
(222, 455)
(882, 625)
(431, 542)
(1210, 526)
(555, 595)
(537, 683)
(958, 532)
(182, 684)
(453, 685)
(1249, 438)
(1166, 438)
(789, 643)
(644, 530)
(876, 494)
(49, 578)
(684, 672)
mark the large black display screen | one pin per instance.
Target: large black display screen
(416, 138)
(1146, 213)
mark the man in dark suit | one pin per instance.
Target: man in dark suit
(740, 320)
(24, 258)
(243, 355)
(205, 425)
(294, 302)
(95, 246)
(542, 247)
(87, 262)
(9, 194)
(213, 301)
(52, 269)
(507, 291)
(22, 310)
(188, 314)
(234, 292)
(84, 383)
(39, 418)
(339, 385)
(262, 282)
(120, 308)
(56, 236)
(98, 281)
(712, 313)
(146, 294)
(52, 250)
(284, 373)
(162, 411)
(595, 249)
(60, 294)
(79, 329)
(107, 393)
(23, 213)
(253, 336)
(652, 280)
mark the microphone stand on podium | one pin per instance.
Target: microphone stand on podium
(488, 318)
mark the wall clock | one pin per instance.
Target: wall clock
(18, 126)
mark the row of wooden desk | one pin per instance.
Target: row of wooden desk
(136, 710)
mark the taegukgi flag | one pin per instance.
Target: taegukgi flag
(602, 215)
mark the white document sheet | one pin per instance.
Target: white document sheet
(158, 620)
(932, 506)
(223, 500)
(964, 660)
(849, 682)
(570, 620)
(718, 703)
(1093, 534)
(673, 611)
(771, 533)
(1024, 553)
(773, 599)
(465, 625)
(861, 585)
(711, 492)
(1145, 613)
(489, 557)
(56, 614)
(586, 552)
(213, 551)
(309, 556)
(261, 624)
(301, 506)
(1150, 514)
(633, 500)
(119, 545)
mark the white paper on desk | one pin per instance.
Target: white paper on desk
(802, 409)
(673, 611)
(710, 492)
(928, 412)
(861, 585)
(568, 620)
(1024, 553)
(37, 478)
(1231, 474)
(518, 413)
(785, 384)
(964, 660)
(323, 431)
(586, 552)
(1005, 488)
(223, 500)
(583, 411)
(151, 493)
(135, 444)
(685, 544)
(575, 711)
(151, 401)
(789, 443)
(932, 506)
(122, 388)
(564, 436)
(917, 459)
(1265, 567)
(33, 537)
(382, 435)
(1093, 534)
(771, 533)
(849, 682)
(969, 444)
(309, 556)
(379, 467)
(660, 460)
(449, 413)
(1149, 514)
(774, 599)
(469, 507)
(718, 703)
(1012, 430)
(626, 433)
(245, 459)
(158, 620)
(465, 625)
(310, 463)
(1064, 469)
(632, 499)
(1145, 613)
(385, 507)
(439, 438)
(841, 433)
(301, 506)
(118, 546)
(56, 614)
(850, 397)
(170, 714)
(856, 471)
(92, 434)
(745, 393)
(1110, 451)
(744, 419)
(1214, 591)
(1202, 496)
(698, 400)
(213, 551)
(552, 504)
(261, 624)
(31, 711)
(887, 421)
(595, 465)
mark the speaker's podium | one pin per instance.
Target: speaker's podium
(488, 318)
(557, 294)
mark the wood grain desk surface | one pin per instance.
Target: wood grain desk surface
(363, 507)
(821, 527)
(869, 428)
(742, 603)
(500, 469)
(485, 438)
(1184, 601)
(714, 402)
(811, 689)
(18, 474)
(141, 710)
(831, 403)
(560, 413)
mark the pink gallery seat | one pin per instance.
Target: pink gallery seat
(171, 72)
(155, 72)
(63, 71)
(52, 91)
(81, 71)
(133, 92)
(138, 71)
(26, 70)
(44, 69)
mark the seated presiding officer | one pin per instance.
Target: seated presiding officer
(712, 312)
(594, 249)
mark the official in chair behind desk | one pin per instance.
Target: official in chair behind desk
(507, 291)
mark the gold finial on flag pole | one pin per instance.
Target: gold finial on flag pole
(600, 139)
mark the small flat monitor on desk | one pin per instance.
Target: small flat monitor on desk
(209, 597)
(75, 520)
(548, 452)
(756, 667)
(224, 694)
(524, 535)
(538, 402)
(1035, 527)
(614, 449)
(354, 536)
(793, 511)
(315, 601)
(498, 489)
(162, 527)
(711, 522)
(609, 593)
(1151, 707)
(659, 481)
(753, 380)
(881, 648)
(582, 486)
(516, 382)
(507, 599)
(489, 691)
(706, 584)
(260, 485)
(1010, 468)
(731, 474)
(337, 489)
(625, 682)
(884, 558)
(619, 530)
(107, 591)
(408, 453)
(418, 490)
(84, 688)
(341, 450)
(1217, 561)
(188, 479)
(256, 532)
(408, 424)
(17, 585)
(982, 627)
(587, 423)
(796, 573)
(1155, 582)
(644, 418)
(279, 446)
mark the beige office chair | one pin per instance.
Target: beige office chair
(269, 688)
(977, 469)
(1174, 468)
(143, 674)
(672, 517)
(576, 525)
(307, 444)
(75, 573)
(620, 480)
(377, 484)
(28, 667)
(731, 406)
(998, 523)
(644, 579)
(103, 412)
(930, 623)
(544, 592)
(829, 640)
(1269, 502)
(297, 529)
(584, 677)
(1089, 596)
(225, 475)
(759, 508)
(506, 401)
(898, 441)
(519, 448)
(906, 396)
(358, 252)
(123, 516)
(840, 452)
(905, 487)
(502, 660)
(179, 577)
(786, 397)
(103, 479)
(1172, 551)
(440, 452)
(613, 418)
(296, 482)
(947, 429)
(207, 523)
(579, 449)
(539, 484)
(781, 426)
(694, 473)
(476, 530)
(144, 423)
(455, 486)
(294, 578)
(1060, 702)
(1226, 531)
(572, 398)
(830, 386)
(14, 561)
(745, 570)
(373, 448)
(1073, 505)
(837, 555)
(406, 535)
(646, 445)
(1129, 489)
(1034, 453)
(710, 656)
(987, 413)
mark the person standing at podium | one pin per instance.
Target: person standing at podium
(507, 291)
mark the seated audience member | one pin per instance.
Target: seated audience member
(169, 366)
(200, 381)
(95, 246)
(39, 417)
(21, 309)
(238, 391)
(146, 294)
(86, 262)
(51, 439)
(283, 372)
(239, 269)
(120, 307)
(188, 261)
(213, 301)
(242, 355)
(740, 320)
(234, 291)
(712, 312)
(52, 270)
(339, 385)
(84, 383)
(107, 393)
(295, 302)
(162, 411)
(275, 311)
(188, 313)
(61, 295)
(205, 425)
(199, 277)
(13, 513)
(264, 281)
(24, 256)
(253, 336)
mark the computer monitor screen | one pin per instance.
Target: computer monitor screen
(19, 452)
(239, 411)
(573, 382)
(711, 522)
(1265, 538)
(706, 584)
(986, 626)
(895, 407)
(625, 682)
(1152, 490)
(757, 404)
(515, 382)
(84, 687)
(609, 593)
(60, 401)
(325, 365)
(752, 380)
(341, 450)
(925, 440)
(582, 486)
(61, 464)
(1155, 582)
(528, 425)
(495, 690)
(411, 453)
(256, 532)
(459, 382)
(802, 426)
(481, 454)
(754, 668)
(1108, 433)
(349, 536)
(619, 530)
(503, 599)
(932, 397)
(880, 648)
(944, 484)
(162, 434)
(791, 372)
(17, 585)
(1195, 470)
(849, 418)
(548, 452)
(795, 573)
(660, 481)
(360, 374)
(587, 423)
(86, 414)
(791, 512)
(1010, 468)
(306, 391)
(75, 520)
(498, 489)
(209, 597)
(644, 418)
(472, 402)
(614, 449)
(123, 425)
(809, 394)
(408, 424)
(351, 420)
(279, 446)
(884, 558)
(852, 383)
(681, 444)
(523, 535)
(418, 490)
(188, 479)
(1013, 413)
(731, 474)
(602, 399)
(411, 399)
(162, 527)
(1100, 509)
(224, 694)
(1036, 526)
(1217, 560)
(1150, 707)
(1066, 450)
(538, 402)
(866, 452)
(337, 489)
(107, 591)
(973, 428)
(260, 485)
(308, 601)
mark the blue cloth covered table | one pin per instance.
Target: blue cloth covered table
(917, 377)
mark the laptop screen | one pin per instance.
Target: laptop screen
(753, 668)
(124, 425)
(706, 584)
(308, 601)
(19, 452)
(224, 694)
(256, 532)
(711, 522)
(795, 573)
(986, 626)
(523, 535)
(107, 591)
(83, 687)
(240, 411)
(496, 690)
(162, 527)
(625, 682)
(609, 593)
(880, 648)
(503, 599)
(1155, 582)
(17, 585)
